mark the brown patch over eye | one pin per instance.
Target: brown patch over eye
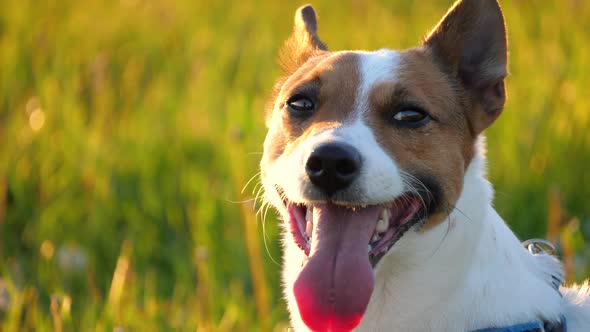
(420, 121)
(328, 81)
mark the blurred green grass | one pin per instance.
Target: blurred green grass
(128, 129)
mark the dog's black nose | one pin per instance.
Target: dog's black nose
(333, 166)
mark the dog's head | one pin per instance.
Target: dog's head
(365, 146)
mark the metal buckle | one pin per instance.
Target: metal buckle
(538, 246)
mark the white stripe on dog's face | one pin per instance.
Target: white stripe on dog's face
(375, 67)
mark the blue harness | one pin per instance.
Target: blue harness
(536, 326)
(536, 246)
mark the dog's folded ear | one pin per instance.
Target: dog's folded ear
(471, 41)
(304, 43)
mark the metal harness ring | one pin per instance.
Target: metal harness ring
(538, 246)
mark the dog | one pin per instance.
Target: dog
(375, 162)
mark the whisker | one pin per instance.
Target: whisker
(415, 180)
(251, 178)
(446, 233)
(260, 197)
(266, 206)
(459, 210)
(240, 202)
(258, 187)
(410, 181)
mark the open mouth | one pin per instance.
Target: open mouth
(392, 221)
(343, 244)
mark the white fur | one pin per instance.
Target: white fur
(576, 304)
(375, 67)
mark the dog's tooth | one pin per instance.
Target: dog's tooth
(309, 228)
(386, 215)
(376, 238)
(309, 221)
(369, 248)
(382, 225)
(383, 222)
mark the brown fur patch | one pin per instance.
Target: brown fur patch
(332, 80)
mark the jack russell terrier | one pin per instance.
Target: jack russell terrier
(375, 161)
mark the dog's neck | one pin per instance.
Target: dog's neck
(468, 273)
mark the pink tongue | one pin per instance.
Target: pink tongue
(335, 285)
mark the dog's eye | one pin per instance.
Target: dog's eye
(299, 105)
(411, 116)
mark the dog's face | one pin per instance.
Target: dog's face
(363, 147)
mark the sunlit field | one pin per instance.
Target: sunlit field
(129, 131)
